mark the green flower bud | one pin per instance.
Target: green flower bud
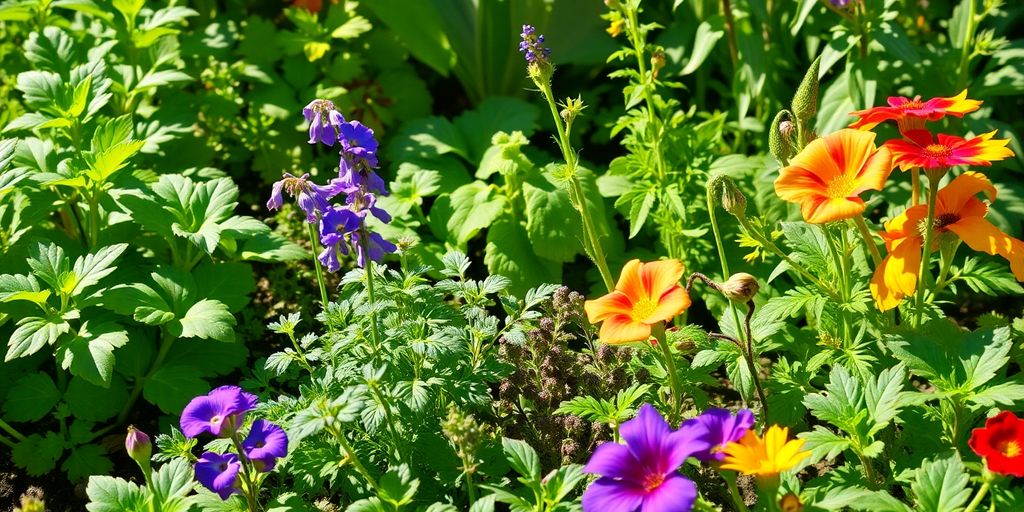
(805, 102)
(780, 137)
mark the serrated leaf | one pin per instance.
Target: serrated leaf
(38, 454)
(88, 401)
(109, 494)
(172, 386)
(941, 485)
(523, 458)
(34, 333)
(86, 460)
(551, 221)
(824, 444)
(53, 50)
(90, 354)
(89, 269)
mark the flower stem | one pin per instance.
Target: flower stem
(370, 292)
(915, 182)
(713, 217)
(316, 265)
(353, 458)
(658, 331)
(926, 251)
(251, 491)
(11, 430)
(748, 354)
(869, 240)
(982, 491)
(768, 244)
(592, 242)
(734, 492)
(965, 50)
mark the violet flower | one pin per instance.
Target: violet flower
(364, 203)
(375, 249)
(530, 46)
(220, 412)
(721, 428)
(642, 475)
(323, 118)
(265, 444)
(334, 225)
(357, 141)
(219, 473)
(311, 198)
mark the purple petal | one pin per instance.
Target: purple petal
(276, 199)
(645, 436)
(605, 495)
(613, 460)
(329, 258)
(265, 443)
(676, 494)
(218, 473)
(197, 416)
(683, 443)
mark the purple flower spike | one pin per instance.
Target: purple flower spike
(218, 473)
(722, 428)
(220, 412)
(531, 46)
(376, 247)
(265, 444)
(357, 140)
(323, 118)
(642, 475)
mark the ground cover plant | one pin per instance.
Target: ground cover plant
(528, 256)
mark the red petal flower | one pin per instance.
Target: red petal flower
(1001, 444)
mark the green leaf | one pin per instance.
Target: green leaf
(522, 457)
(229, 283)
(34, 333)
(31, 398)
(109, 494)
(86, 460)
(111, 133)
(639, 208)
(89, 269)
(172, 386)
(90, 354)
(103, 164)
(38, 454)
(271, 247)
(823, 443)
(418, 26)
(478, 126)
(941, 485)
(508, 253)
(88, 401)
(398, 487)
(53, 50)
(708, 33)
(551, 221)
(49, 264)
(472, 207)
(173, 480)
(207, 319)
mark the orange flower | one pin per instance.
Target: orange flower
(920, 149)
(313, 6)
(957, 212)
(829, 175)
(646, 294)
(911, 114)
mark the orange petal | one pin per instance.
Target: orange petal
(822, 209)
(817, 160)
(621, 329)
(671, 303)
(980, 235)
(630, 282)
(795, 183)
(660, 276)
(614, 303)
(849, 149)
(875, 171)
(896, 277)
(953, 197)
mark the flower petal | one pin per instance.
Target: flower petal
(613, 460)
(645, 435)
(676, 494)
(672, 303)
(823, 209)
(955, 196)
(622, 329)
(660, 276)
(614, 303)
(606, 494)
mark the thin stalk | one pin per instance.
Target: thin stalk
(869, 470)
(94, 220)
(470, 488)
(316, 264)
(653, 123)
(713, 217)
(353, 458)
(915, 182)
(165, 349)
(751, 365)
(589, 232)
(730, 28)
(946, 253)
(926, 251)
(734, 492)
(768, 244)
(250, 487)
(7, 442)
(364, 235)
(965, 51)
(298, 350)
(869, 240)
(11, 430)
(982, 491)
(673, 377)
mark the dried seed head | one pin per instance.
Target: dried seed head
(740, 288)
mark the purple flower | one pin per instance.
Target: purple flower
(840, 3)
(530, 46)
(218, 473)
(351, 178)
(721, 428)
(363, 203)
(323, 118)
(642, 475)
(265, 443)
(311, 198)
(220, 412)
(357, 140)
(334, 225)
(376, 248)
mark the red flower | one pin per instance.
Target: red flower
(920, 149)
(1001, 443)
(911, 114)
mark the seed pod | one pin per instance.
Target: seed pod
(740, 288)
(805, 101)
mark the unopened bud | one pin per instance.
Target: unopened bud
(780, 137)
(805, 101)
(657, 62)
(740, 288)
(613, 4)
(733, 201)
(139, 447)
(791, 503)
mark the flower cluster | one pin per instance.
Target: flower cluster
(642, 475)
(340, 226)
(221, 413)
(532, 47)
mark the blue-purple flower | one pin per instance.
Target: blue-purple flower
(219, 473)
(642, 475)
(840, 3)
(357, 141)
(531, 45)
(265, 444)
(375, 248)
(220, 412)
(721, 428)
(334, 225)
(323, 118)
(311, 198)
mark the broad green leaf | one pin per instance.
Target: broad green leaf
(103, 164)
(708, 33)
(494, 115)
(172, 386)
(53, 50)
(89, 269)
(111, 133)
(639, 208)
(508, 253)
(418, 26)
(161, 78)
(49, 264)
(174, 479)
(38, 454)
(109, 494)
(823, 443)
(471, 208)
(91, 402)
(522, 457)
(271, 247)
(34, 333)
(552, 223)
(941, 485)
(90, 354)
(87, 460)
(207, 319)
(31, 398)
(229, 283)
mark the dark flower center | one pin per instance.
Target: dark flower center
(652, 481)
(222, 467)
(946, 219)
(260, 444)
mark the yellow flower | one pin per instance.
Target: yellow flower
(765, 457)
(616, 27)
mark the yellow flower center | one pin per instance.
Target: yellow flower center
(938, 151)
(1010, 449)
(215, 420)
(842, 186)
(653, 481)
(912, 105)
(643, 309)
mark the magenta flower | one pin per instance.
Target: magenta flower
(220, 412)
(265, 444)
(642, 475)
(218, 473)
(323, 118)
(721, 428)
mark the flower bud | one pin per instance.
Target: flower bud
(613, 4)
(805, 102)
(139, 447)
(657, 62)
(791, 503)
(740, 288)
(733, 201)
(780, 137)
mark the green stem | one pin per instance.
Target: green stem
(730, 28)
(713, 217)
(591, 239)
(965, 51)
(316, 264)
(670, 366)
(251, 491)
(869, 470)
(748, 354)
(470, 488)
(353, 458)
(364, 235)
(926, 251)
(869, 240)
(768, 244)
(653, 123)
(946, 253)
(298, 350)
(734, 492)
(915, 183)
(982, 491)
(94, 219)
(11, 430)
(7, 442)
